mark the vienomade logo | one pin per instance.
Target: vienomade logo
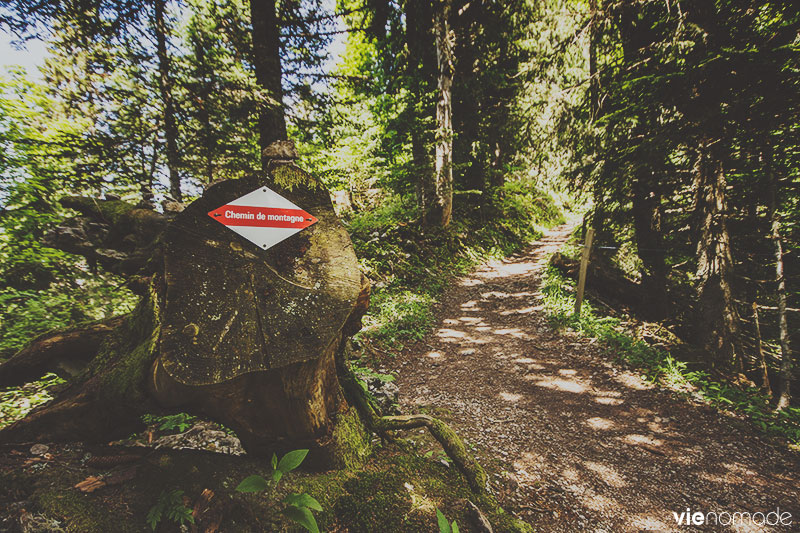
(725, 518)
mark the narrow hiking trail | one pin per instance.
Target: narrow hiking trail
(572, 440)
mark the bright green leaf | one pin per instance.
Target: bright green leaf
(254, 483)
(303, 500)
(292, 460)
(444, 526)
(303, 516)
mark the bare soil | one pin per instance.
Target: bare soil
(573, 440)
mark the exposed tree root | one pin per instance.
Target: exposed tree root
(65, 352)
(451, 443)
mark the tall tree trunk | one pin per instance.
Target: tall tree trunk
(717, 316)
(267, 63)
(646, 200)
(762, 361)
(784, 384)
(419, 69)
(440, 211)
(205, 73)
(166, 87)
(594, 85)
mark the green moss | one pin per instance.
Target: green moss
(123, 362)
(289, 176)
(397, 490)
(351, 440)
(80, 513)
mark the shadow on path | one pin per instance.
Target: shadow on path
(576, 442)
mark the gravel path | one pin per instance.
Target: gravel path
(573, 441)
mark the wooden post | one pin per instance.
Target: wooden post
(587, 250)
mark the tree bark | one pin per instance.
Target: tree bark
(646, 206)
(116, 235)
(717, 321)
(785, 381)
(245, 336)
(762, 361)
(64, 352)
(267, 64)
(420, 71)
(166, 88)
(440, 210)
(594, 82)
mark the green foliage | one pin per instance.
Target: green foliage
(16, 402)
(178, 422)
(169, 505)
(444, 525)
(409, 265)
(657, 365)
(297, 507)
(254, 483)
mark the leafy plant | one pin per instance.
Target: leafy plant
(444, 525)
(441, 455)
(169, 505)
(298, 507)
(180, 422)
(16, 402)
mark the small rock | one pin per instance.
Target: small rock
(39, 449)
(480, 522)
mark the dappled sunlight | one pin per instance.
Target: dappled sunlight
(599, 423)
(499, 269)
(446, 333)
(605, 400)
(495, 294)
(582, 440)
(635, 438)
(632, 381)
(570, 474)
(609, 476)
(514, 332)
(510, 397)
(454, 335)
(649, 523)
(562, 385)
(521, 311)
(599, 503)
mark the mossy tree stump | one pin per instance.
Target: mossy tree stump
(247, 337)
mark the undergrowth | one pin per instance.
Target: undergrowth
(409, 265)
(657, 365)
(16, 402)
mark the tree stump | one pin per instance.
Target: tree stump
(245, 336)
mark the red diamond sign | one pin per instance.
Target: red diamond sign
(263, 217)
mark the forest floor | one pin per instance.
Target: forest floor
(572, 439)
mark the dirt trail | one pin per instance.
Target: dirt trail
(574, 442)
